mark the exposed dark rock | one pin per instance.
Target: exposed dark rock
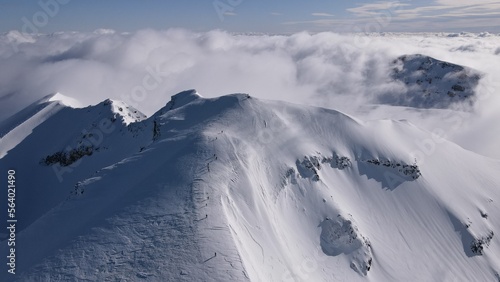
(431, 83)
(337, 161)
(310, 166)
(484, 215)
(404, 169)
(478, 244)
(340, 235)
(69, 157)
(457, 87)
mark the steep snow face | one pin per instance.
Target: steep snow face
(432, 83)
(14, 129)
(128, 113)
(57, 145)
(239, 189)
(296, 214)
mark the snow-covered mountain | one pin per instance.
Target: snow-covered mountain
(53, 137)
(431, 83)
(241, 189)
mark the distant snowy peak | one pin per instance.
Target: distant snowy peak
(121, 109)
(431, 83)
(128, 113)
(65, 100)
(14, 129)
(19, 126)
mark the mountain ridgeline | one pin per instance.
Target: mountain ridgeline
(236, 188)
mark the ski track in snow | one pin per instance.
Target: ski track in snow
(219, 195)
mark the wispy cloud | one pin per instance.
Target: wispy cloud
(439, 9)
(374, 9)
(231, 14)
(276, 14)
(458, 3)
(439, 15)
(322, 15)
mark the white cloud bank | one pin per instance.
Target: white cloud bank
(345, 72)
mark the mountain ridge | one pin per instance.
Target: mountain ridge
(236, 188)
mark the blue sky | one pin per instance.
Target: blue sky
(274, 16)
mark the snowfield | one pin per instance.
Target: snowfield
(237, 188)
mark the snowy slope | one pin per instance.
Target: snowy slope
(240, 189)
(14, 129)
(128, 113)
(59, 132)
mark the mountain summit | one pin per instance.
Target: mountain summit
(236, 188)
(431, 83)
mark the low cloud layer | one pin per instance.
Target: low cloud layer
(145, 68)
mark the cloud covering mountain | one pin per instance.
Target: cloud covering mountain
(345, 72)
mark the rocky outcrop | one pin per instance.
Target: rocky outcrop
(478, 244)
(69, 157)
(431, 83)
(340, 235)
(310, 165)
(403, 169)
